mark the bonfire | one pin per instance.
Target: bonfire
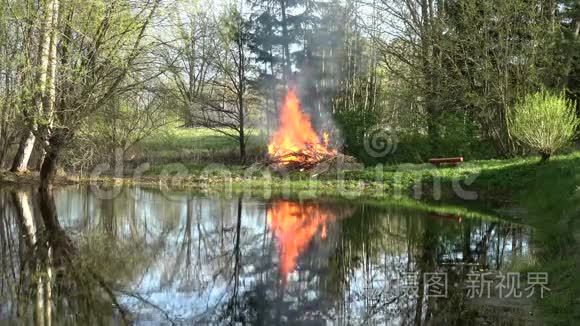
(296, 145)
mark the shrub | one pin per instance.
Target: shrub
(544, 122)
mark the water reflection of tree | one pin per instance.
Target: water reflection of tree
(262, 296)
(377, 246)
(217, 259)
(31, 260)
(374, 249)
(351, 278)
(52, 270)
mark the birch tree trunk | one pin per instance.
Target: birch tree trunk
(22, 157)
(48, 38)
(49, 96)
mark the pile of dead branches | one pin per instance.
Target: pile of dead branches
(317, 162)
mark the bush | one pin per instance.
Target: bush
(544, 122)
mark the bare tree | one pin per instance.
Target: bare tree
(125, 122)
(226, 108)
(189, 57)
(209, 70)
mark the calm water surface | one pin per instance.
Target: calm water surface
(149, 258)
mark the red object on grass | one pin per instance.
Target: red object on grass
(453, 161)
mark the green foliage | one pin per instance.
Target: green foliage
(455, 134)
(460, 135)
(544, 122)
(354, 124)
(412, 147)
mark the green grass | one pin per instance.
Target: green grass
(192, 150)
(550, 194)
(498, 181)
(197, 145)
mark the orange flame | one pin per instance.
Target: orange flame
(294, 225)
(295, 141)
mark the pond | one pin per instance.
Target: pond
(150, 257)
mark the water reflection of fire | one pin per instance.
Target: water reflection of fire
(294, 226)
(295, 143)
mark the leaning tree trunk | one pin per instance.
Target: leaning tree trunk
(48, 169)
(50, 163)
(23, 154)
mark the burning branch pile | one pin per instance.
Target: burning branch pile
(296, 145)
(306, 158)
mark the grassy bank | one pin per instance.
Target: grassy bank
(496, 182)
(550, 195)
(493, 180)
